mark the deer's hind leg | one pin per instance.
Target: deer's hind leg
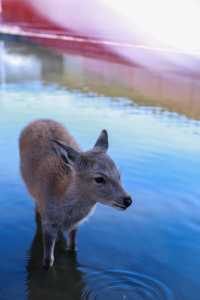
(50, 233)
(71, 239)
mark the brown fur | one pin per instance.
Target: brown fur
(41, 169)
(65, 182)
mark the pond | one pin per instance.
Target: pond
(152, 250)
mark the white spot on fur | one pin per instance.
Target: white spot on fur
(87, 217)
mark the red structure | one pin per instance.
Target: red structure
(22, 15)
(92, 30)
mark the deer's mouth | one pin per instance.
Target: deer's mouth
(119, 206)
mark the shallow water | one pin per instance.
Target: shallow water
(149, 252)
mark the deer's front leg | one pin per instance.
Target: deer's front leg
(50, 232)
(71, 239)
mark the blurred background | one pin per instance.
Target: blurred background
(155, 44)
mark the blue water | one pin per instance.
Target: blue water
(149, 252)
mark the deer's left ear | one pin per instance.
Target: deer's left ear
(66, 153)
(102, 141)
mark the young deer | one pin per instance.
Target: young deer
(66, 182)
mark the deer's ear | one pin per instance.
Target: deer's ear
(66, 153)
(102, 141)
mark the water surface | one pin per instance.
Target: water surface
(149, 252)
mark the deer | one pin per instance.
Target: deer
(66, 182)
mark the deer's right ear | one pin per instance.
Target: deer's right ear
(66, 153)
(102, 141)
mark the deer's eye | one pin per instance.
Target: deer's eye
(100, 180)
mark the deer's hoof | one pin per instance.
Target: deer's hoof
(47, 263)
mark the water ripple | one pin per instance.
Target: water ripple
(124, 285)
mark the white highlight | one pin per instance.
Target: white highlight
(174, 23)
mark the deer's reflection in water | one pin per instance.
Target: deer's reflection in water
(63, 281)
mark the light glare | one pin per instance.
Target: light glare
(173, 23)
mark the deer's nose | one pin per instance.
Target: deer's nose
(127, 201)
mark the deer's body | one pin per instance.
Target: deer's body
(65, 182)
(44, 172)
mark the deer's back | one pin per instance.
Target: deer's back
(42, 170)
